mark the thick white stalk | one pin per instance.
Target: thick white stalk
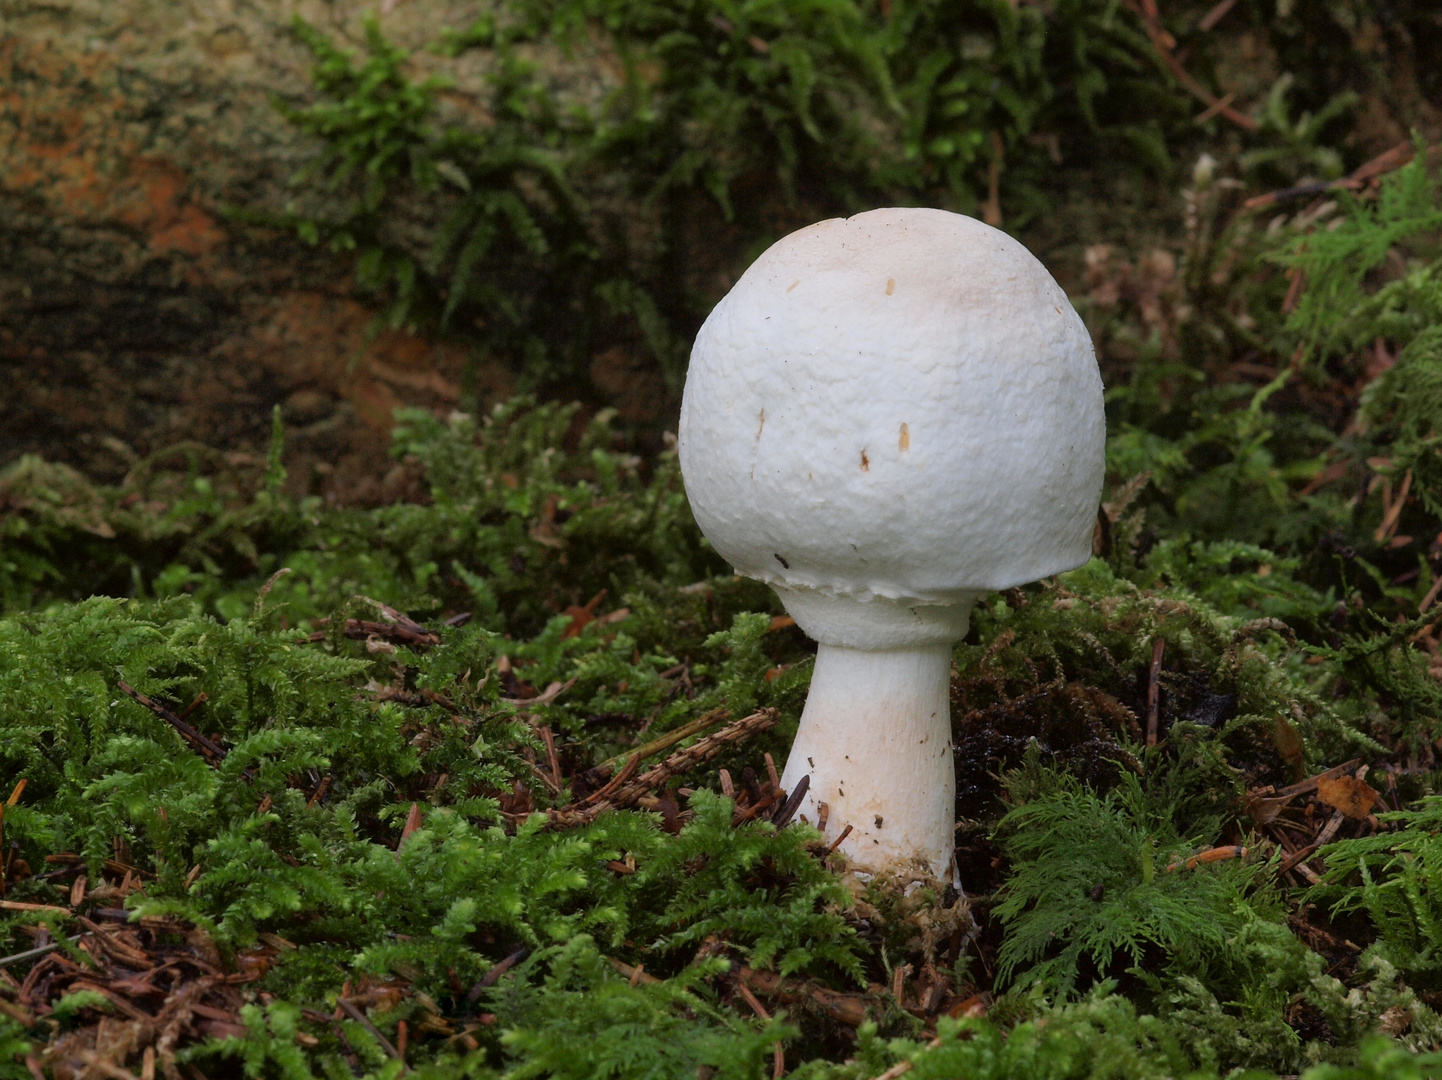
(875, 738)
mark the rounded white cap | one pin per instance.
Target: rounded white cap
(900, 405)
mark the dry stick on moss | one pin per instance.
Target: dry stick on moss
(320, 791)
(614, 784)
(555, 762)
(1216, 15)
(33, 954)
(361, 1018)
(115, 866)
(1431, 595)
(1211, 855)
(766, 801)
(490, 978)
(1154, 691)
(412, 825)
(901, 1068)
(1162, 42)
(849, 1009)
(623, 791)
(4, 860)
(212, 752)
(1385, 162)
(20, 905)
(1296, 860)
(395, 625)
(360, 629)
(1302, 787)
(709, 719)
(787, 810)
(778, 1053)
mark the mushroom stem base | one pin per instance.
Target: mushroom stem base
(875, 738)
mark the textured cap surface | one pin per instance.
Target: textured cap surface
(899, 404)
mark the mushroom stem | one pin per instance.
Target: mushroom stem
(875, 738)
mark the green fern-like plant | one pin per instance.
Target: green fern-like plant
(1337, 259)
(1395, 879)
(1099, 880)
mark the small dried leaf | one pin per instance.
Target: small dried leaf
(1263, 810)
(1289, 744)
(1348, 794)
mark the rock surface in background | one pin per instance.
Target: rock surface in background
(133, 312)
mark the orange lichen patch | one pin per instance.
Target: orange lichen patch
(158, 205)
(67, 142)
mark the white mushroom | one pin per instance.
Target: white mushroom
(888, 416)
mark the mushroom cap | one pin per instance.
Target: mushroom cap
(901, 404)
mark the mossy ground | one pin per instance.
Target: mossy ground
(327, 791)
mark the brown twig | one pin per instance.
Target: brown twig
(614, 784)
(115, 866)
(901, 1068)
(655, 746)
(1388, 161)
(213, 752)
(20, 905)
(1302, 787)
(550, 741)
(1216, 15)
(490, 978)
(1297, 857)
(767, 800)
(1431, 595)
(1214, 108)
(393, 626)
(1163, 42)
(634, 975)
(412, 825)
(778, 1054)
(1154, 687)
(320, 791)
(849, 1009)
(787, 810)
(1297, 281)
(1393, 515)
(361, 1018)
(622, 791)
(33, 954)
